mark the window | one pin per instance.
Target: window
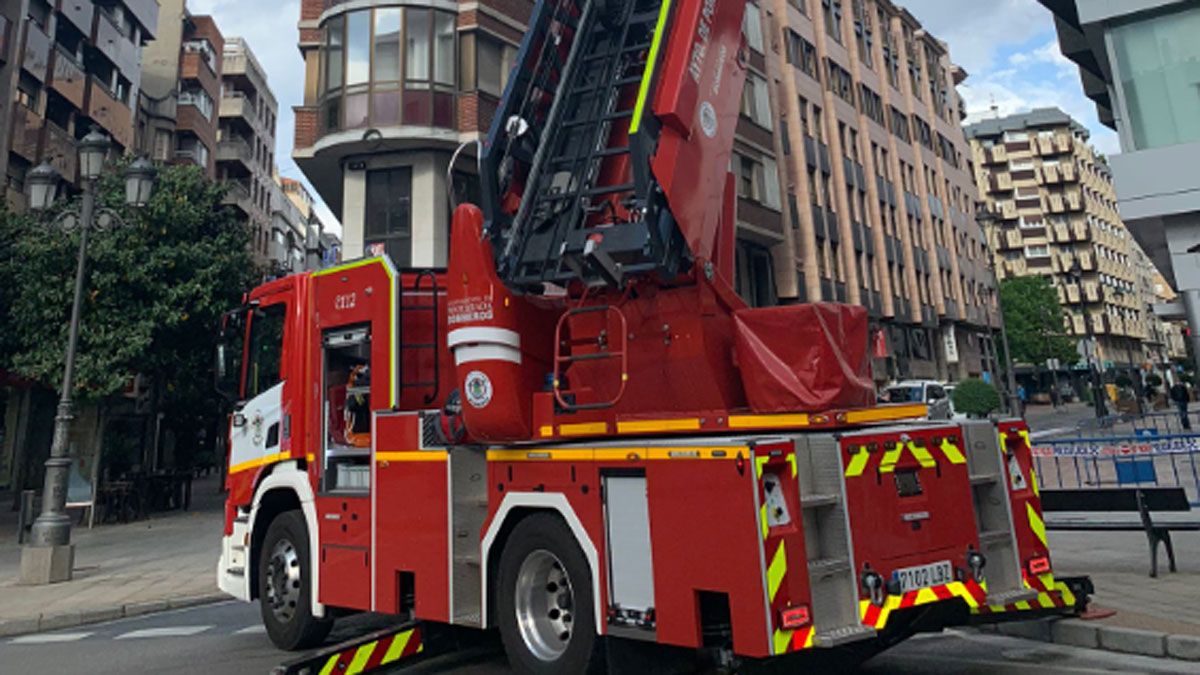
(266, 349)
(346, 387)
(862, 33)
(358, 48)
(417, 46)
(494, 61)
(752, 27)
(833, 18)
(443, 43)
(756, 101)
(334, 39)
(839, 81)
(388, 222)
(199, 99)
(755, 276)
(1158, 61)
(758, 180)
(387, 45)
(871, 104)
(1037, 251)
(900, 125)
(802, 54)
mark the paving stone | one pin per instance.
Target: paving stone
(1075, 633)
(1133, 641)
(1183, 647)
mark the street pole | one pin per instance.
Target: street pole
(50, 556)
(985, 218)
(1093, 372)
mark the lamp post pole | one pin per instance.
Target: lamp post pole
(985, 217)
(50, 555)
(1093, 370)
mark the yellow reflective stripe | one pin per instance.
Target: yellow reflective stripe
(782, 639)
(261, 461)
(858, 463)
(397, 647)
(776, 571)
(1003, 443)
(925, 596)
(330, 664)
(1036, 524)
(1065, 591)
(651, 61)
(952, 452)
(759, 463)
(1023, 605)
(583, 429)
(614, 454)
(808, 638)
(925, 459)
(884, 413)
(792, 461)
(762, 519)
(1033, 482)
(890, 458)
(1024, 434)
(767, 421)
(651, 426)
(412, 456)
(546, 431)
(360, 658)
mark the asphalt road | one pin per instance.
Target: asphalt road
(227, 638)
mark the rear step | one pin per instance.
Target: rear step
(361, 654)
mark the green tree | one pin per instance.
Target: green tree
(1034, 320)
(155, 292)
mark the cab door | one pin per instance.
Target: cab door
(257, 431)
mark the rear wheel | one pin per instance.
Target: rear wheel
(285, 585)
(546, 610)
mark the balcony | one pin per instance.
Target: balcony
(26, 133)
(1066, 261)
(1045, 146)
(1072, 293)
(69, 78)
(1069, 173)
(238, 197)
(1013, 239)
(238, 105)
(1055, 204)
(1091, 292)
(236, 150)
(1087, 261)
(111, 114)
(1064, 143)
(1074, 200)
(61, 152)
(1079, 228)
(1051, 173)
(1008, 210)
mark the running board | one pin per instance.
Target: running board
(361, 654)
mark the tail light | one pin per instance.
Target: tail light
(792, 618)
(1039, 565)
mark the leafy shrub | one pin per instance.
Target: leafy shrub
(975, 398)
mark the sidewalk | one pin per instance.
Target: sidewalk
(168, 560)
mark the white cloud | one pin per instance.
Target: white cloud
(976, 30)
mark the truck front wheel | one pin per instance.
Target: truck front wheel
(546, 612)
(285, 585)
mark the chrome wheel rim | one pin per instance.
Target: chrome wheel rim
(545, 605)
(283, 581)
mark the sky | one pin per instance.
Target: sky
(1008, 48)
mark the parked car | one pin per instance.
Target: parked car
(930, 392)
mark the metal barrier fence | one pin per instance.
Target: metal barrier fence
(1124, 450)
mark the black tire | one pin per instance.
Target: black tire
(293, 627)
(536, 535)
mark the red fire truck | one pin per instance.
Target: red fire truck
(578, 429)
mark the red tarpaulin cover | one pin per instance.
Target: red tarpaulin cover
(804, 358)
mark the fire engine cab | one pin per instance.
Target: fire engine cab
(579, 430)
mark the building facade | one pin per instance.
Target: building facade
(1055, 210)
(246, 142)
(181, 85)
(1139, 61)
(852, 170)
(65, 67)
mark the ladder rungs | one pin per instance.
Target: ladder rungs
(608, 189)
(984, 478)
(823, 567)
(589, 357)
(992, 536)
(817, 501)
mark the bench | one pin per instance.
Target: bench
(1124, 509)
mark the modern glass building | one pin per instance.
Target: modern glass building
(1139, 61)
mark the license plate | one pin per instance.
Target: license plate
(924, 576)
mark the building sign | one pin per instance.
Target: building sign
(951, 345)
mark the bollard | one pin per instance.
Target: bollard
(26, 515)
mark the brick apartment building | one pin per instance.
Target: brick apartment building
(853, 174)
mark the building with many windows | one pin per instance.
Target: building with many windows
(852, 172)
(1139, 61)
(181, 85)
(65, 67)
(248, 114)
(1056, 215)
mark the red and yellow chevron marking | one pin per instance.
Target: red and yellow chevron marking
(876, 616)
(860, 457)
(1054, 595)
(375, 654)
(776, 554)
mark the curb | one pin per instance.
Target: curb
(1091, 635)
(49, 622)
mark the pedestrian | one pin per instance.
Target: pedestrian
(1181, 396)
(1022, 398)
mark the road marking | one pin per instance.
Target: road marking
(252, 630)
(172, 631)
(48, 638)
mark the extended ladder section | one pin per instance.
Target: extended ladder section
(421, 369)
(832, 578)
(993, 513)
(587, 210)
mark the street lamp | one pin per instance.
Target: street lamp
(986, 219)
(1076, 274)
(50, 556)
